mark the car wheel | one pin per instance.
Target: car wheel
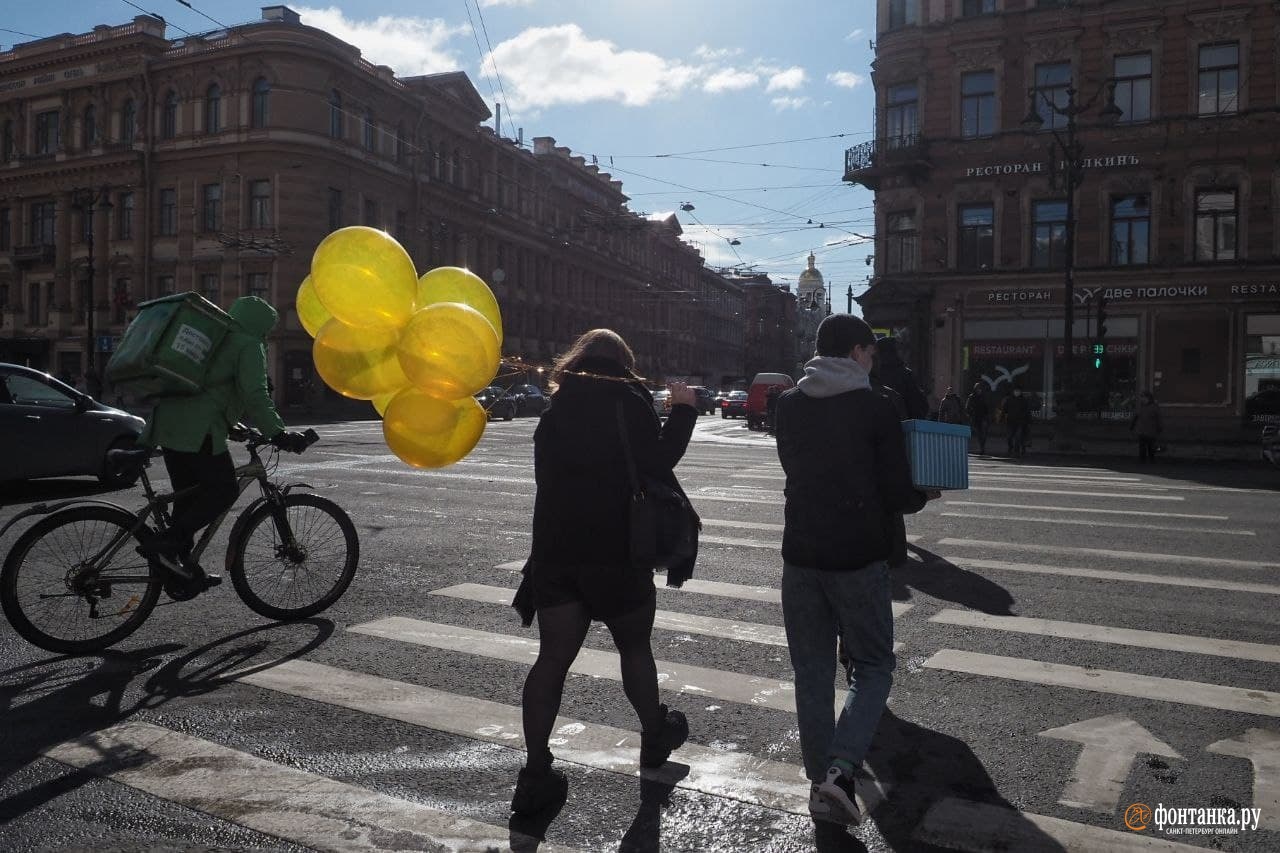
(117, 481)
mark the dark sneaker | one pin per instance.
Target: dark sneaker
(656, 747)
(818, 807)
(535, 792)
(837, 792)
(168, 553)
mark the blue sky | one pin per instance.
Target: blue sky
(628, 81)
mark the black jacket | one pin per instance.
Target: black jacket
(900, 378)
(847, 474)
(581, 514)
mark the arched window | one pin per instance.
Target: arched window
(128, 121)
(169, 116)
(335, 115)
(90, 127)
(213, 109)
(261, 92)
(369, 129)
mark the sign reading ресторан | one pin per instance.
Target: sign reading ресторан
(1113, 161)
(1085, 294)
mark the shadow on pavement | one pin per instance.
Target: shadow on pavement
(60, 699)
(645, 833)
(935, 576)
(35, 491)
(933, 780)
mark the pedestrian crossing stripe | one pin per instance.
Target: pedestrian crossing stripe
(1216, 696)
(1091, 510)
(1127, 577)
(1094, 522)
(1105, 634)
(757, 691)
(305, 808)
(1033, 491)
(1142, 556)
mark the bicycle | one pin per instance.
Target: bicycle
(281, 552)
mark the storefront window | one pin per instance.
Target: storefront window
(1262, 369)
(1000, 366)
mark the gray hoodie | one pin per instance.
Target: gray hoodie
(827, 376)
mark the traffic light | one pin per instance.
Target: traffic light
(1102, 314)
(1099, 355)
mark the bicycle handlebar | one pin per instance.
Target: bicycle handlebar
(253, 438)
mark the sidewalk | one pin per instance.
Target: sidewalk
(1123, 445)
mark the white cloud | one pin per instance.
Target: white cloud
(545, 66)
(409, 45)
(787, 103)
(846, 79)
(488, 3)
(730, 79)
(853, 35)
(708, 53)
(789, 80)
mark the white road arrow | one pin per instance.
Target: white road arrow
(1111, 744)
(1262, 747)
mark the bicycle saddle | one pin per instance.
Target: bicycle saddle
(128, 462)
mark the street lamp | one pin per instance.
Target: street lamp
(1072, 153)
(86, 200)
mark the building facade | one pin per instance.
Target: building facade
(770, 332)
(1171, 231)
(217, 163)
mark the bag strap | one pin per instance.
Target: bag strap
(626, 451)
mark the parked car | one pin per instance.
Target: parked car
(662, 402)
(758, 396)
(497, 403)
(52, 430)
(704, 400)
(734, 405)
(529, 400)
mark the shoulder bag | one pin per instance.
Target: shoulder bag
(664, 525)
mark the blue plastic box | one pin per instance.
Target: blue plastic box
(939, 454)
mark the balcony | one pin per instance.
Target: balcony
(869, 163)
(40, 253)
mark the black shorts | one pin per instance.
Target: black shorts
(606, 592)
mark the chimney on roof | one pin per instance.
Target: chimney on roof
(282, 14)
(544, 145)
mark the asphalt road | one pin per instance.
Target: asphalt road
(1076, 637)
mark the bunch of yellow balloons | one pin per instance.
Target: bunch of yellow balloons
(417, 347)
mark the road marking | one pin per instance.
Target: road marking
(698, 497)
(1032, 491)
(679, 678)
(1091, 510)
(744, 525)
(513, 566)
(1109, 746)
(1217, 696)
(981, 827)
(1084, 478)
(291, 804)
(726, 629)
(739, 543)
(1261, 747)
(721, 773)
(1093, 522)
(1118, 636)
(1137, 556)
(1129, 577)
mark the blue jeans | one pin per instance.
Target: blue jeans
(817, 608)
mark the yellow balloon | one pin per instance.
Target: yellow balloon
(311, 311)
(381, 402)
(360, 363)
(427, 432)
(449, 350)
(364, 277)
(455, 284)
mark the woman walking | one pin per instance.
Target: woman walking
(579, 567)
(1148, 425)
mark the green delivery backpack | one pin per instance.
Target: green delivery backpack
(167, 349)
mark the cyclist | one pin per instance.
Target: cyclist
(192, 432)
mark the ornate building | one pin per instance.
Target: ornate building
(1170, 113)
(813, 303)
(133, 166)
(770, 332)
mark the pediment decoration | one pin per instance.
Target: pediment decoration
(1128, 38)
(1223, 24)
(977, 57)
(1054, 46)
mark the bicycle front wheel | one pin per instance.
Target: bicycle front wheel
(296, 573)
(74, 584)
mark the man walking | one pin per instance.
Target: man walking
(1017, 420)
(844, 455)
(975, 406)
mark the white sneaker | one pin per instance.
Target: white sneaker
(837, 792)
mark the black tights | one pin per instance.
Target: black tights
(561, 631)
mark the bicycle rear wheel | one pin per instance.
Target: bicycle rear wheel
(283, 580)
(61, 591)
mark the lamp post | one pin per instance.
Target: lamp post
(1072, 176)
(86, 201)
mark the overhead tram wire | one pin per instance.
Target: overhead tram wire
(744, 147)
(711, 230)
(496, 73)
(20, 33)
(158, 16)
(480, 51)
(199, 12)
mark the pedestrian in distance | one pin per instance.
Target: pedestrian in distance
(895, 373)
(1016, 413)
(1148, 425)
(844, 456)
(579, 568)
(192, 432)
(975, 407)
(950, 409)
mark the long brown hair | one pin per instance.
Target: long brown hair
(597, 343)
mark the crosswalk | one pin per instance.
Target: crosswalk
(1099, 663)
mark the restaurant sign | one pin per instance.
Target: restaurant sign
(1084, 296)
(1111, 162)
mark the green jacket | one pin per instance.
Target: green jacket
(236, 388)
